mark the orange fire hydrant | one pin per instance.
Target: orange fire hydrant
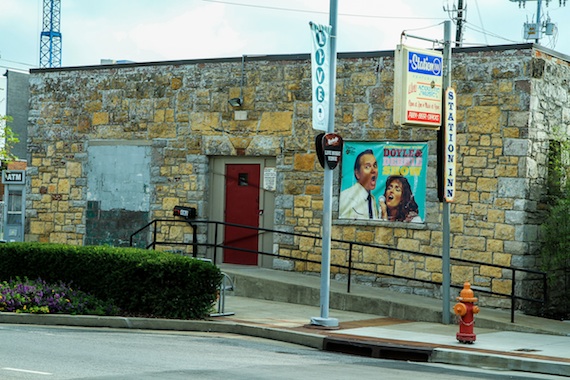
(466, 310)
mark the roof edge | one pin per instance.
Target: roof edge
(297, 57)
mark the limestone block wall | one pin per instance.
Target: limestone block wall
(489, 217)
(510, 99)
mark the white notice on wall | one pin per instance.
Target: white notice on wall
(269, 179)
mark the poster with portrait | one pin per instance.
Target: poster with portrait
(384, 181)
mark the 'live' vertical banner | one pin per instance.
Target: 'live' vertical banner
(320, 64)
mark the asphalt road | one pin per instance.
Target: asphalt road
(34, 352)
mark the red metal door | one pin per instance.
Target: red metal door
(242, 207)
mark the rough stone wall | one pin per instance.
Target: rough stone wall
(506, 99)
(489, 216)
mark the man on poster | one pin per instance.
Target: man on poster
(357, 202)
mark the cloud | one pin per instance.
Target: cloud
(20, 27)
(202, 32)
(185, 32)
(150, 30)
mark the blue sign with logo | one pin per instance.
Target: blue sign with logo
(418, 80)
(425, 64)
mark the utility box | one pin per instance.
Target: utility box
(185, 212)
(531, 31)
(14, 204)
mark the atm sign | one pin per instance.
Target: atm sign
(13, 177)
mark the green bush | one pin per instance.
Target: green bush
(555, 249)
(555, 258)
(138, 281)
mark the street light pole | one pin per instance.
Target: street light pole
(324, 319)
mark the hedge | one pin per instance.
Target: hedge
(140, 282)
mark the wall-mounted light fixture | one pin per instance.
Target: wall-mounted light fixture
(238, 102)
(235, 102)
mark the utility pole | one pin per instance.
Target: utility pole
(459, 29)
(538, 24)
(324, 320)
(446, 254)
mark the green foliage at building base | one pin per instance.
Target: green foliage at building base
(140, 282)
(555, 231)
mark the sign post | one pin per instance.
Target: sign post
(329, 108)
(416, 94)
(445, 254)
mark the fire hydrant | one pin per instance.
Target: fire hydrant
(466, 310)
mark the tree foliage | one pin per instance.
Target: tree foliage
(8, 138)
(555, 249)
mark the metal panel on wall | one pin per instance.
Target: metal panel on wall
(118, 192)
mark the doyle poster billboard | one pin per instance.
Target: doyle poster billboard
(418, 80)
(384, 181)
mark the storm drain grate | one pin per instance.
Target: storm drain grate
(380, 351)
(526, 350)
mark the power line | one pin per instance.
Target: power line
(423, 27)
(485, 33)
(321, 12)
(481, 20)
(16, 62)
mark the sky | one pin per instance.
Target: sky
(150, 30)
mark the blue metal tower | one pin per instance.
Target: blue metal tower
(50, 43)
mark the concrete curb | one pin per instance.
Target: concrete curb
(504, 362)
(355, 346)
(296, 337)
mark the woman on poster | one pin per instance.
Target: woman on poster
(398, 204)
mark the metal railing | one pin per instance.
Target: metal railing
(154, 231)
(350, 267)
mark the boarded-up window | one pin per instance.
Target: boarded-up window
(118, 192)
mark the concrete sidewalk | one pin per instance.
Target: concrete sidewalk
(390, 338)
(373, 322)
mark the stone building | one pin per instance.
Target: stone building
(112, 147)
(17, 96)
